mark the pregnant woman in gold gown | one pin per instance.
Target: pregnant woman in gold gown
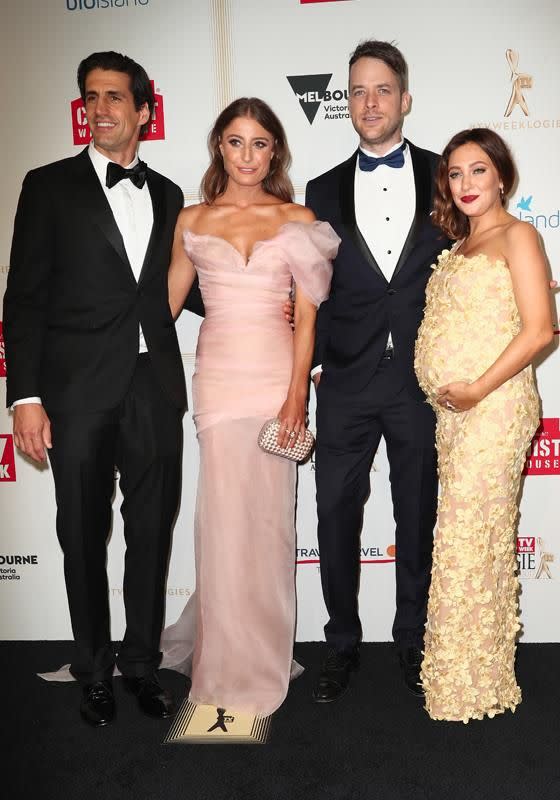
(487, 316)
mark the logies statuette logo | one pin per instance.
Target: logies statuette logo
(513, 119)
(519, 81)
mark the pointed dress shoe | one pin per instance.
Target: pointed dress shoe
(411, 661)
(98, 703)
(334, 678)
(153, 699)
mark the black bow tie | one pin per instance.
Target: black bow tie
(394, 159)
(116, 173)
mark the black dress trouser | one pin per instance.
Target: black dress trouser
(142, 438)
(349, 428)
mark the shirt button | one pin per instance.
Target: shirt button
(384, 188)
(391, 291)
(387, 218)
(388, 252)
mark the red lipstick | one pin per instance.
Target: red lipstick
(468, 198)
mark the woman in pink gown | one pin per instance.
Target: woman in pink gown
(248, 243)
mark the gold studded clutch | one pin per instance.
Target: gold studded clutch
(268, 441)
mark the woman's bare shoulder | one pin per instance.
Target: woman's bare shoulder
(519, 233)
(190, 217)
(298, 213)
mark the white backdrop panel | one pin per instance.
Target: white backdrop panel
(200, 56)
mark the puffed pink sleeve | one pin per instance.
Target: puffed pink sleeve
(310, 248)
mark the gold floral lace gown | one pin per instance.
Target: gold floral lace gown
(470, 317)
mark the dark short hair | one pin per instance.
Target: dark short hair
(386, 52)
(446, 214)
(277, 182)
(140, 85)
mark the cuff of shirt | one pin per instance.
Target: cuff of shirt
(26, 400)
(316, 370)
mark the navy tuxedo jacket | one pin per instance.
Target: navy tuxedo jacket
(353, 325)
(72, 308)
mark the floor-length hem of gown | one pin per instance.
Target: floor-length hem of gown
(473, 714)
(236, 637)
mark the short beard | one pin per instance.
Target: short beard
(385, 137)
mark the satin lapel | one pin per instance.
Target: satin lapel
(157, 193)
(91, 198)
(422, 187)
(348, 212)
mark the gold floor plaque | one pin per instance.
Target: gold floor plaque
(198, 724)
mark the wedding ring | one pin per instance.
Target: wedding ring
(292, 434)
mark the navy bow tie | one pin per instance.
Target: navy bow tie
(393, 159)
(116, 173)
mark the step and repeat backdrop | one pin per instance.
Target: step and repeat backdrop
(493, 65)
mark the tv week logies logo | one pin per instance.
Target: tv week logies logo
(82, 133)
(7, 458)
(517, 114)
(543, 457)
(533, 559)
(311, 91)
(2, 354)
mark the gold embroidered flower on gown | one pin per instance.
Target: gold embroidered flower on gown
(470, 318)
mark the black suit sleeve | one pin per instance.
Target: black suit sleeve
(27, 294)
(312, 201)
(193, 301)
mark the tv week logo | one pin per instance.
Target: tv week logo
(82, 133)
(534, 558)
(7, 459)
(2, 354)
(543, 456)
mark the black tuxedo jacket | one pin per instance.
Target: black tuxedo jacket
(72, 305)
(353, 325)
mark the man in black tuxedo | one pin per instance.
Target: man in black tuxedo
(378, 201)
(95, 373)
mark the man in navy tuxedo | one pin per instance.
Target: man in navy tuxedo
(95, 373)
(378, 202)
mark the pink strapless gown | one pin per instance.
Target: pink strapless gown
(244, 607)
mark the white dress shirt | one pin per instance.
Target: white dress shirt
(134, 216)
(385, 201)
(385, 204)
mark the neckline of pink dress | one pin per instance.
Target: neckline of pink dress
(246, 261)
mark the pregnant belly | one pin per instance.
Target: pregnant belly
(456, 355)
(446, 355)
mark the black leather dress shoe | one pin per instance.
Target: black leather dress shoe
(411, 661)
(98, 703)
(335, 676)
(153, 699)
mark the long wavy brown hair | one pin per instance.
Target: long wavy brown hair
(277, 182)
(446, 215)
